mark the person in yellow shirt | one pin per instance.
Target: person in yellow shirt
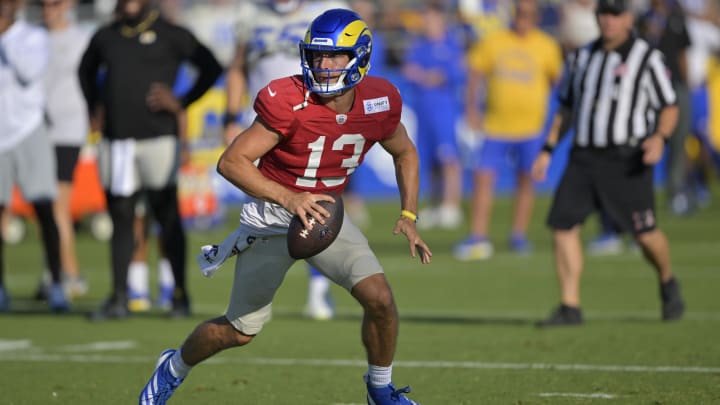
(713, 138)
(517, 68)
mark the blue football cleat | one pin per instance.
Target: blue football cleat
(4, 300)
(162, 383)
(473, 248)
(56, 298)
(520, 245)
(388, 395)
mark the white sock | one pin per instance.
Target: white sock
(165, 274)
(138, 278)
(317, 290)
(379, 376)
(178, 367)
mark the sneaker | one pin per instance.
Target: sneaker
(673, 306)
(473, 248)
(448, 217)
(75, 286)
(4, 300)
(165, 296)
(320, 311)
(139, 304)
(112, 308)
(387, 395)
(606, 244)
(520, 245)
(563, 315)
(56, 298)
(180, 305)
(681, 204)
(428, 218)
(162, 383)
(138, 301)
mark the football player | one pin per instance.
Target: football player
(311, 133)
(267, 49)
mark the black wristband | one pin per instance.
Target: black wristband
(229, 118)
(548, 148)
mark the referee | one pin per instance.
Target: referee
(622, 104)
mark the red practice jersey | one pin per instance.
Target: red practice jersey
(321, 148)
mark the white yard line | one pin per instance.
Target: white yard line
(600, 395)
(43, 357)
(12, 345)
(101, 346)
(528, 315)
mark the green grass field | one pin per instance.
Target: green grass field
(466, 336)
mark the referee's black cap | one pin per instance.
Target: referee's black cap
(612, 6)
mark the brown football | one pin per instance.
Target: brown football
(303, 243)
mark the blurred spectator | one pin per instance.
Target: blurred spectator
(140, 53)
(517, 69)
(67, 120)
(267, 49)
(578, 24)
(214, 22)
(435, 69)
(26, 156)
(663, 26)
(138, 281)
(486, 16)
(703, 19)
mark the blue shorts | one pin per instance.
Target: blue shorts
(699, 111)
(497, 155)
(436, 137)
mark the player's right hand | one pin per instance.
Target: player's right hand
(540, 166)
(306, 203)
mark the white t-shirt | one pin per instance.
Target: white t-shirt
(704, 40)
(273, 40)
(213, 23)
(66, 109)
(24, 54)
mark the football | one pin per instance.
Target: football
(303, 243)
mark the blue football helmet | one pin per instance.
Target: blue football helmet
(336, 30)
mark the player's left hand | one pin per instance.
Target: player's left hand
(408, 228)
(653, 149)
(161, 98)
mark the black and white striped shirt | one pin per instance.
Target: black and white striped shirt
(615, 95)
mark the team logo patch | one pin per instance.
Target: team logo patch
(376, 105)
(341, 119)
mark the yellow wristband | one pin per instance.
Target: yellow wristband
(409, 215)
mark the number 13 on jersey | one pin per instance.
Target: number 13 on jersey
(318, 150)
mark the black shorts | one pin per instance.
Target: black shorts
(615, 182)
(67, 157)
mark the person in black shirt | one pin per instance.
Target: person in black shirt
(623, 105)
(138, 56)
(663, 26)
